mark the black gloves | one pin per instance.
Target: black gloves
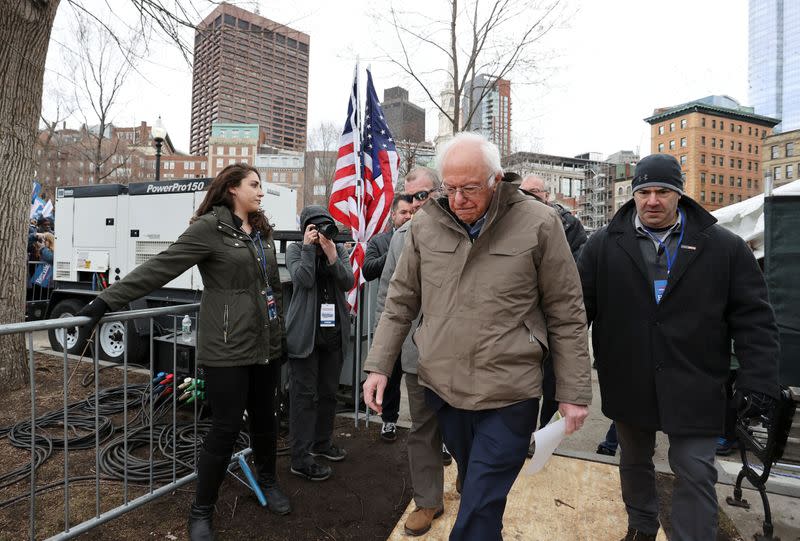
(752, 404)
(95, 310)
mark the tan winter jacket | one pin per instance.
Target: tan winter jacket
(489, 307)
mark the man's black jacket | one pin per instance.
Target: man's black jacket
(375, 256)
(664, 366)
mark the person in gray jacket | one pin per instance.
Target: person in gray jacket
(425, 455)
(317, 326)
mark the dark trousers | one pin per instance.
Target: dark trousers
(313, 382)
(391, 395)
(230, 391)
(490, 447)
(549, 404)
(694, 500)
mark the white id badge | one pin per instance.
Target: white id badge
(327, 315)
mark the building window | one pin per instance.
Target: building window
(749, 130)
(713, 197)
(749, 183)
(671, 126)
(714, 142)
(702, 158)
(713, 179)
(672, 144)
(776, 173)
(713, 160)
(683, 159)
(703, 140)
(774, 151)
(730, 181)
(740, 147)
(756, 132)
(732, 144)
(738, 198)
(789, 150)
(220, 151)
(713, 125)
(756, 166)
(731, 162)
(683, 142)
(245, 151)
(730, 196)
(738, 164)
(702, 195)
(789, 171)
(661, 130)
(722, 144)
(703, 122)
(702, 178)
(738, 182)
(683, 123)
(756, 148)
(755, 183)
(220, 162)
(661, 147)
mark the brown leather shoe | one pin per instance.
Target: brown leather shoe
(420, 520)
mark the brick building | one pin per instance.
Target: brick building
(232, 143)
(69, 157)
(781, 157)
(249, 70)
(719, 145)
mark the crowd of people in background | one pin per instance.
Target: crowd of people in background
(486, 292)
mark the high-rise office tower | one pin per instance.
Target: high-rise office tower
(492, 116)
(249, 70)
(774, 61)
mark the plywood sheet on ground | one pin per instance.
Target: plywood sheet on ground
(534, 510)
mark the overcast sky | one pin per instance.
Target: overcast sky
(608, 66)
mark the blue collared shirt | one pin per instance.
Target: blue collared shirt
(475, 229)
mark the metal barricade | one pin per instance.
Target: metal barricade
(149, 413)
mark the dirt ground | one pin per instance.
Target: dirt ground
(363, 500)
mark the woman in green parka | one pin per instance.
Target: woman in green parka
(241, 329)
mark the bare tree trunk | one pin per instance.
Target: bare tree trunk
(25, 27)
(454, 53)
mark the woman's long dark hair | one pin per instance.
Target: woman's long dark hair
(218, 194)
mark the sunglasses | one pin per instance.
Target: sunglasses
(421, 195)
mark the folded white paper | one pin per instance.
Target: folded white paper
(547, 439)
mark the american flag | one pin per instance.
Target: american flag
(364, 205)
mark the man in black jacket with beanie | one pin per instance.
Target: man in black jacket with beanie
(666, 289)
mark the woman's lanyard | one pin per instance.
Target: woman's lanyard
(670, 257)
(260, 247)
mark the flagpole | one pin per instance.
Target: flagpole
(359, 176)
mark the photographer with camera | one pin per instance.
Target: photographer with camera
(317, 326)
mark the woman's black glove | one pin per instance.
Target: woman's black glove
(94, 310)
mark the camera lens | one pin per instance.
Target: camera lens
(329, 230)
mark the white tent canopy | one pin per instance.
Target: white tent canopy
(746, 218)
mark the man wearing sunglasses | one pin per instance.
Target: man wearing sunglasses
(374, 260)
(425, 454)
(492, 273)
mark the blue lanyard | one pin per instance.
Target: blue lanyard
(670, 258)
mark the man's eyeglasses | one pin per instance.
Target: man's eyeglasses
(421, 195)
(468, 191)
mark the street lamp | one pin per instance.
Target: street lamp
(159, 133)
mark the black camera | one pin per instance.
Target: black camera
(328, 230)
